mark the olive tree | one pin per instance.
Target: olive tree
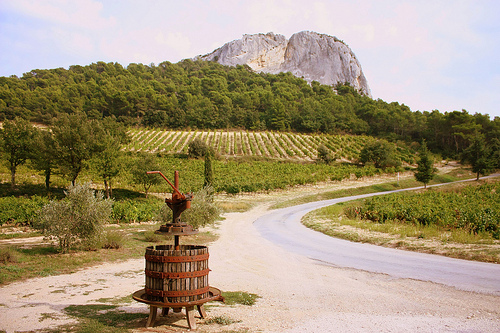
(79, 217)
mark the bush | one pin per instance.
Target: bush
(325, 155)
(203, 210)
(78, 217)
(197, 148)
(113, 239)
(152, 237)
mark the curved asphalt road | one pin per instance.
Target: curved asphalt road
(283, 227)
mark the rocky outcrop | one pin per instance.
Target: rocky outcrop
(309, 55)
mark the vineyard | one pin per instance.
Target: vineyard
(274, 145)
(474, 209)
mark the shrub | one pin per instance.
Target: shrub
(113, 239)
(152, 237)
(475, 209)
(325, 155)
(78, 217)
(197, 148)
(203, 210)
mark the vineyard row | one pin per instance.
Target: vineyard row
(279, 145)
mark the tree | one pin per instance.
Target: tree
(17, 140)
(209, 176)
(478, 155)
(105, 162)
(425, 169)
(380, 153)
(78, 217)
(139, 172)
(495, 153)
(197, 148)
(325, 155)
(43, 156)
(74, 142)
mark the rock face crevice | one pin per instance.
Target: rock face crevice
(309, 55)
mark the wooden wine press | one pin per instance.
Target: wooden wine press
(177, 275)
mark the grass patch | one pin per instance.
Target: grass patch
(116, 300)
(8, 255)
(103, 318)
(234, 206)
(338, 194)
(239, 297)
(113, 239)
(20, 235)
(221, 320)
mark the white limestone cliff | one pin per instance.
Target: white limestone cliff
(309, 55)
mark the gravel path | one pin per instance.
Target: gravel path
(297, 294)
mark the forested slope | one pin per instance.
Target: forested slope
(206, 95)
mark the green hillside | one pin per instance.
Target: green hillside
(208, 96)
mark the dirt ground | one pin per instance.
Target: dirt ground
(296, 294)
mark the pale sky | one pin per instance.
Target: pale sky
(426, 54)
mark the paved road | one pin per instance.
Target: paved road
(283, 227)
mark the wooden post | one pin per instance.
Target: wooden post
(190, 317)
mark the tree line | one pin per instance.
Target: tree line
(207, 95)
(71, 144)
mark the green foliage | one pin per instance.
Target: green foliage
(140, 175)
(207, 95)
(197, 148)
(20, 210)
(8, 255)
(43, 157)
(204, 211)
(75, 142)
(78, 217)
(380, 153)
(239, 297)
(106, 162)
(425, 169)
(475, 209)
(221, 320)
(479, 156)
(113, 239)
(209, 175)
(325, 155)
(17, 144)
(135, 210)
